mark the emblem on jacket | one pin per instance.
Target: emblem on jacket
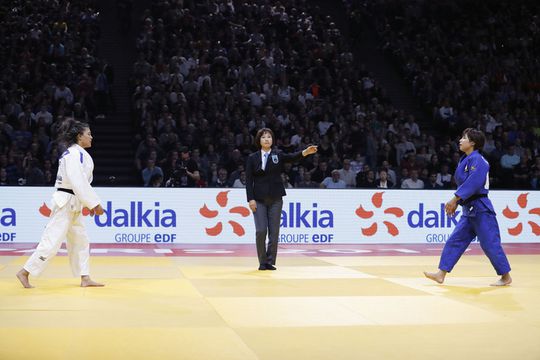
(275, 158)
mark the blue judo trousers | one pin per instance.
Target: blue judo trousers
(478, 216)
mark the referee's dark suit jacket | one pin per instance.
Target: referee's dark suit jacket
(264, 185)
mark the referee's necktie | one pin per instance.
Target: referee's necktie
(265, 159)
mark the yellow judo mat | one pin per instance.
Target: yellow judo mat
(208, 308)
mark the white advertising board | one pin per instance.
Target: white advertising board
(309, 216)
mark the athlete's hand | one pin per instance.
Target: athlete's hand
(98, 210)
(451, 207)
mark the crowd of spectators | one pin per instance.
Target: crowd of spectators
(473, 64)
(210, 74)
(49, 72)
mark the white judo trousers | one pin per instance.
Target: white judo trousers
(66, 222)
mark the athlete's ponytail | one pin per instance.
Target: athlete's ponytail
(70, 130)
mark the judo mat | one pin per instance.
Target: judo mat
(210, 302)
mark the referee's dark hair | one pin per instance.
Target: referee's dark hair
(260, 133)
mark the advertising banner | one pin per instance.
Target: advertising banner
(309, 216)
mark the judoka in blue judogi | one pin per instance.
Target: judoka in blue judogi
(478, 216)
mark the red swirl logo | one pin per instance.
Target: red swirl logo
(377, 202)
(222, 200)
(522, 203)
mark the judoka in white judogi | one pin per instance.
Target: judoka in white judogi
(66, 222)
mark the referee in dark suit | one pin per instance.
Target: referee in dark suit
(265, 190)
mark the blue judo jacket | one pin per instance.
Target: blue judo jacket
(472, 178)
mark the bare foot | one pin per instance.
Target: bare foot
(87, 282)
(23, 278)
(437, 277)
(506, 279)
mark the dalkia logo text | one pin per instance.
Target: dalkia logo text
(421, 218)
(8, 217)
(222, 199)
(295, 216)
(137, 215)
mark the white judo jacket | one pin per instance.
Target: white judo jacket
(75, 173)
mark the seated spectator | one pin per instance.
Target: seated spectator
(321, 172)
(307, 183)
(347, 174)
(404, 147)
(434, 165)
(241, 181)
(3, 177)
(235, 175)
(521, 174)
(33, 174)
(369, 182)
(63, 92)
(188, 168)
(510, 159)
(404, 174)
(286, 182)
(508, 163)
(383, 182)
(387, 167)
(411, 162)
(444, 178)
(222, 180)
(333, 182)
(412, 182)
(291, 170)
(358, 163)
(413, 127)
(175, 179)
(149, 171)
(156, 180)
(432, 182)
(446, 112)
(424, 175)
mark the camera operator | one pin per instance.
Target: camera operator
(186, 172)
